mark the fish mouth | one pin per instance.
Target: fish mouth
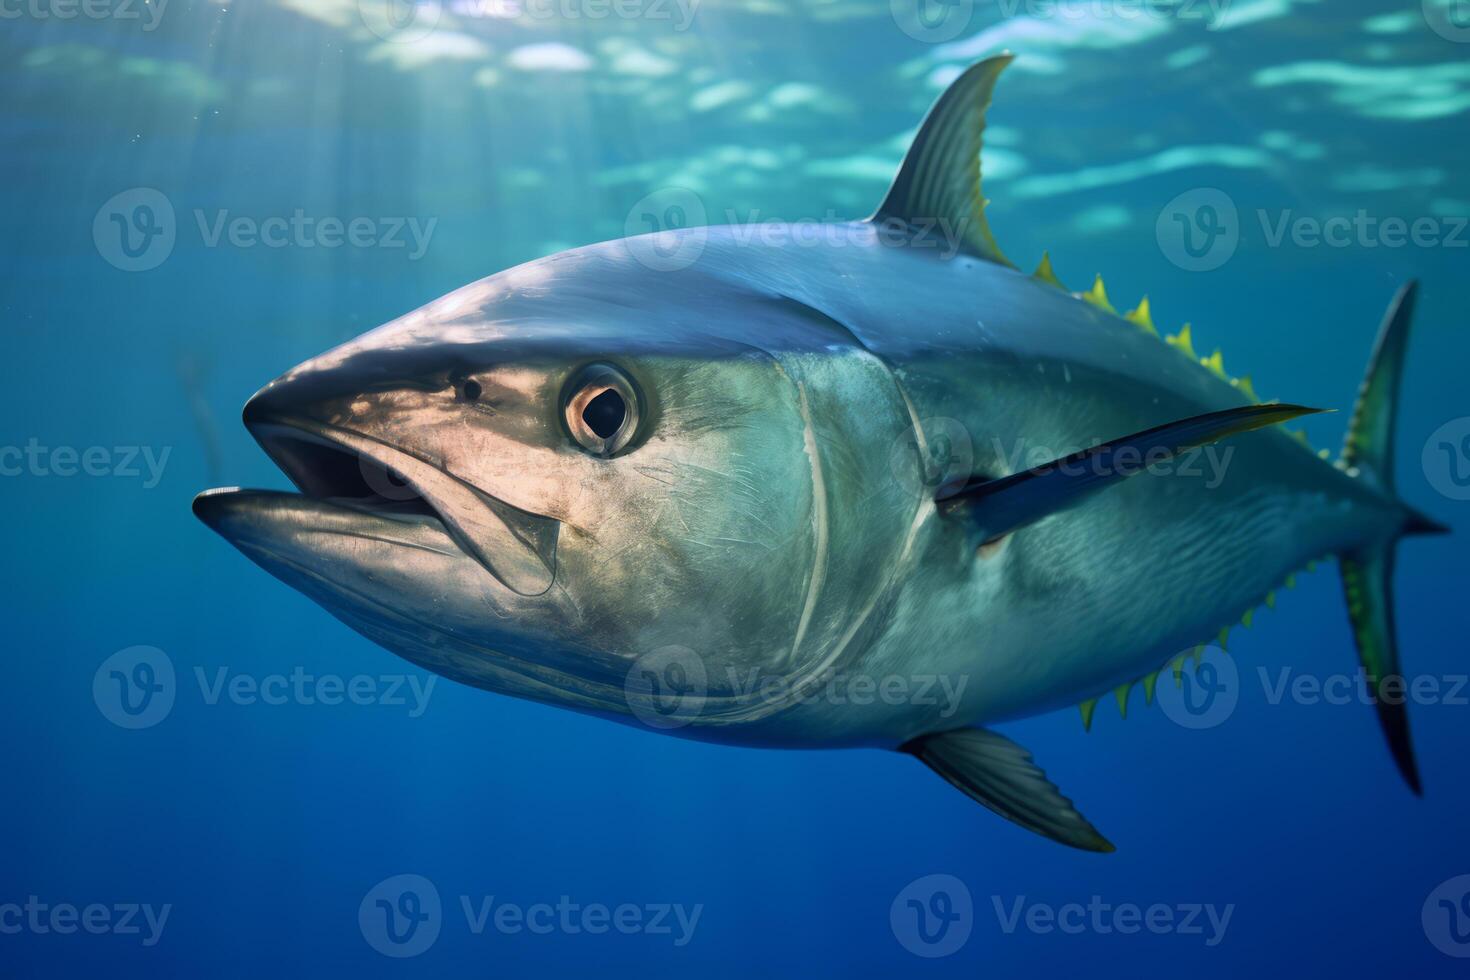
(345, 474)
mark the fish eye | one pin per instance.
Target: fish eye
(601, 409)
(471, 390)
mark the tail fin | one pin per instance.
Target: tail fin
(1367, 573)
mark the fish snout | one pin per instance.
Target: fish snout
(347, 430)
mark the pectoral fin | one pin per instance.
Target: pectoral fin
(996, 772)
(998, 507)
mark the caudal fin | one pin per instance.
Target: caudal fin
(1367, 573)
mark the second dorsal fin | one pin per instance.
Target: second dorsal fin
(937, 190)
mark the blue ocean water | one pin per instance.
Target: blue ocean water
(1268, 170)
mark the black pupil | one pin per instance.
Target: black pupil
(604, 414)
(472, 391)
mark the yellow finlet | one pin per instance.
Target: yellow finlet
(1179, 671)
(1121, 692)
(1149, 680)
(1300, 436)
(1044, 273)
(1291, 581)
(1088, 707)
(1224, 638)
(1270, 600)
(1216, 363)
(1243, 384)
(1097, 296)
(1246, 619)
(1311, 566)
(1324, 454)
(1140, 316)
(1182, 342)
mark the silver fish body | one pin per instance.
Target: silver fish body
(851, 484)
(780, 522)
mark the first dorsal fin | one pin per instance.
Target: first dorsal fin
(937, 190)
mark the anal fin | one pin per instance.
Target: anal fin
(999, 774)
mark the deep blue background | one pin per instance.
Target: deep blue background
(264, 826)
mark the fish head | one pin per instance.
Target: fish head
(531, 488)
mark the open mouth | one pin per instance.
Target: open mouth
(346, 469)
